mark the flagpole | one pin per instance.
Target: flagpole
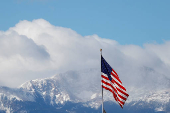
(102, 86)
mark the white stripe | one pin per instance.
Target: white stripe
(114, 79)
(108, 81)
(122, 94)
(104, 74)
(114, 85)
(120, 88)
(121, 99)
(113, 89)
(118, 82)
(114, 73)
(108, 87)
(120, 103)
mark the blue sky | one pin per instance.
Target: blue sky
(126, 21)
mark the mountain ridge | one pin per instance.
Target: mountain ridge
(63, 93)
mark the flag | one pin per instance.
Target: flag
(110, 81)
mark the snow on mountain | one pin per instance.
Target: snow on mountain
(70, 86)
(14, 93)
(158, 100)
(162, 96)
(49, 89)
(10, 95)
(85, 87)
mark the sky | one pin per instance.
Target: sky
(40, 38)
(126, 21)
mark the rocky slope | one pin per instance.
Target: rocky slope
(73, 92)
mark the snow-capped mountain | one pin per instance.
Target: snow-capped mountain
(73, 92)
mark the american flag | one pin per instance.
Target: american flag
(110, 81)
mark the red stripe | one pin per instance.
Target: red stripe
(107, 88)
(114, 72)
(121, 106)
(113, 81)
(115, 76)
(106, 83)
(104, 77)
(109, 85)
(122, 92)
(122, 97)
(117, 88)
(121, 101)
(114, 89)
(114, 95)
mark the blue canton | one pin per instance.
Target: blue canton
(106, 68)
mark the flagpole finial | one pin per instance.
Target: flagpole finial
(101, 51)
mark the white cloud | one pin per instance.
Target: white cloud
(12, 44)
(38, 49)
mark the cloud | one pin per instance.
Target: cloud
(37, 49)
(12, 44)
